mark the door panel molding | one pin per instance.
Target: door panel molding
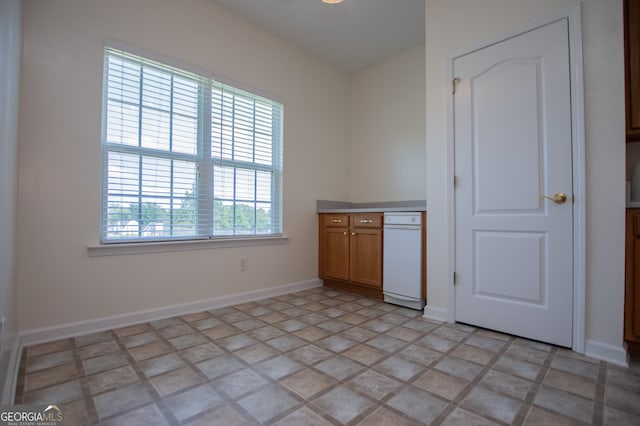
(573, 15)
(488, 270)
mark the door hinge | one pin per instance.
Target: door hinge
(453, 85)
(455, 181)
(454, 278)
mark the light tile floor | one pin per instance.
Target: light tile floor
(322, 357)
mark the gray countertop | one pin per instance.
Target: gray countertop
(325, 206)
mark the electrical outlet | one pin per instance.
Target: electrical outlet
(244, 264)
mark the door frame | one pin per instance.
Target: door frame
(573, 14)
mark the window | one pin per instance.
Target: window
(185, 156)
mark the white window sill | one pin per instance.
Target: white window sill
(115, 249)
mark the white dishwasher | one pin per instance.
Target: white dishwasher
(402, 265)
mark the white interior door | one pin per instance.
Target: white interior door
(514, 249)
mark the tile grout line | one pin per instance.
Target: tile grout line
(229, 401)
(598, 401)
(204, 379)
(156, 398)
(345, 381)
(377, 404)
(270, 382)
(89, 405)
(452, 404)
(473, 384)
(528, 400)
(89, 398)
(404, 384)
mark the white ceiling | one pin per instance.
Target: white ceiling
(352, 35)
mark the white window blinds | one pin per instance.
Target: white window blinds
(185, 156)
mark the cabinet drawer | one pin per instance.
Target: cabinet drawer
(367, 220)
(341, 220)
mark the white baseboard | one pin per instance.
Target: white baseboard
(438, 314)
(612, 354)
(48, 334)
(11, 382)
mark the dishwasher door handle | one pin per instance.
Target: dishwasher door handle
(401, 227)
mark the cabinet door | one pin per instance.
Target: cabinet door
(336, 253)
(633, 304)
(632, 285)
(632, 65)
(366, 256)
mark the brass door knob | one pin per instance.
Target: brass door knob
(558, 198)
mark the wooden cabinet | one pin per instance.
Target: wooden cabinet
(350, 255)
(632, 285)
(632, 68)
(334, 247)
(366, 249)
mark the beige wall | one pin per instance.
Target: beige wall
(10, 47)
(60, 149)
(388, 151)
(449, 31)
(59, 206)
(605, 140)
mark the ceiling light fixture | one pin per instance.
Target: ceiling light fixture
(332, 1)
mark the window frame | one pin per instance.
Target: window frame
(203, 159)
